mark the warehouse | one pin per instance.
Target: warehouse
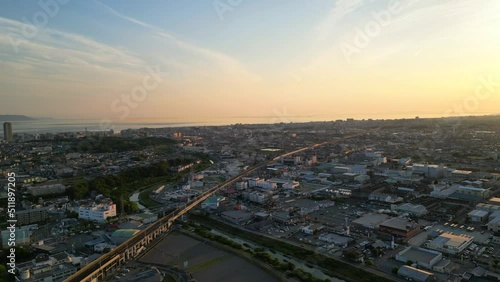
(422, 257)
(371, 221)
(451, 244)
(415, 274)
(337, 239)
(478, 216)
(238, 217)
(399, 227)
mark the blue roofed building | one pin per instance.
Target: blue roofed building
(212, 203)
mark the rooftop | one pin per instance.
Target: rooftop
(478, 213)
(465, 172)
(494, 201)
(463, 187)
(419, 254)
(410, 271)
(452, 240)
(399, 223)
(412, 207)
(371, 220)
(124, 233)
(339, 239)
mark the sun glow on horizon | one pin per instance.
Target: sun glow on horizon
(363, 60)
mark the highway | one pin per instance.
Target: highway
(88, 272)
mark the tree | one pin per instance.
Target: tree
(350, 256)
(395, 269)
(3, 273)
(71, 214)
(79, 190)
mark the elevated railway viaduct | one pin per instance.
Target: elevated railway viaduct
(106, 265)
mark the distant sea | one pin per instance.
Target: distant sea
(53, 125)
(74, 125)
(49, 125)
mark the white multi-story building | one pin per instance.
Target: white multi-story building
(253, 182)
(256, 197)
(98, 212)
(429, 170)
(266, 185)
(242, 185)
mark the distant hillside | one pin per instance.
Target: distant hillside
(15, 118)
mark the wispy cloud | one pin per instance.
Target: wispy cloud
(227, 63)
(56, 51)
(433, 24)
(418, 29)
(339, 11)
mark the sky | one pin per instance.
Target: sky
(241, 59)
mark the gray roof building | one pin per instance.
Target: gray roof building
(422, 257)
(415, 274)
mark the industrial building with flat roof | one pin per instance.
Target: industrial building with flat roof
(337, 239)
(371, 221)
(416, 210)
(494, 221)
(450, 243)
(400, 227)
(238, 217)
(493, 201)
(415, 274)
(479, 193)
(422, 257)
(478, 215)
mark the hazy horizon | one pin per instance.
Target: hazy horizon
(210, 61)
(277, 114)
